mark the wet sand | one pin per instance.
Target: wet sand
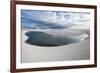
(33, 53)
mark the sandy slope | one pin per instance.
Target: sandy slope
(76, 51)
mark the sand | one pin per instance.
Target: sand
(33, 53)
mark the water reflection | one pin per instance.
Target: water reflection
(44, 39)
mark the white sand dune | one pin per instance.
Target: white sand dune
(75, 51)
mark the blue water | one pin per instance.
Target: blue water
(44, 39)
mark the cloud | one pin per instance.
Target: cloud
(56, 18)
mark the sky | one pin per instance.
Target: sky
(42, 19)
